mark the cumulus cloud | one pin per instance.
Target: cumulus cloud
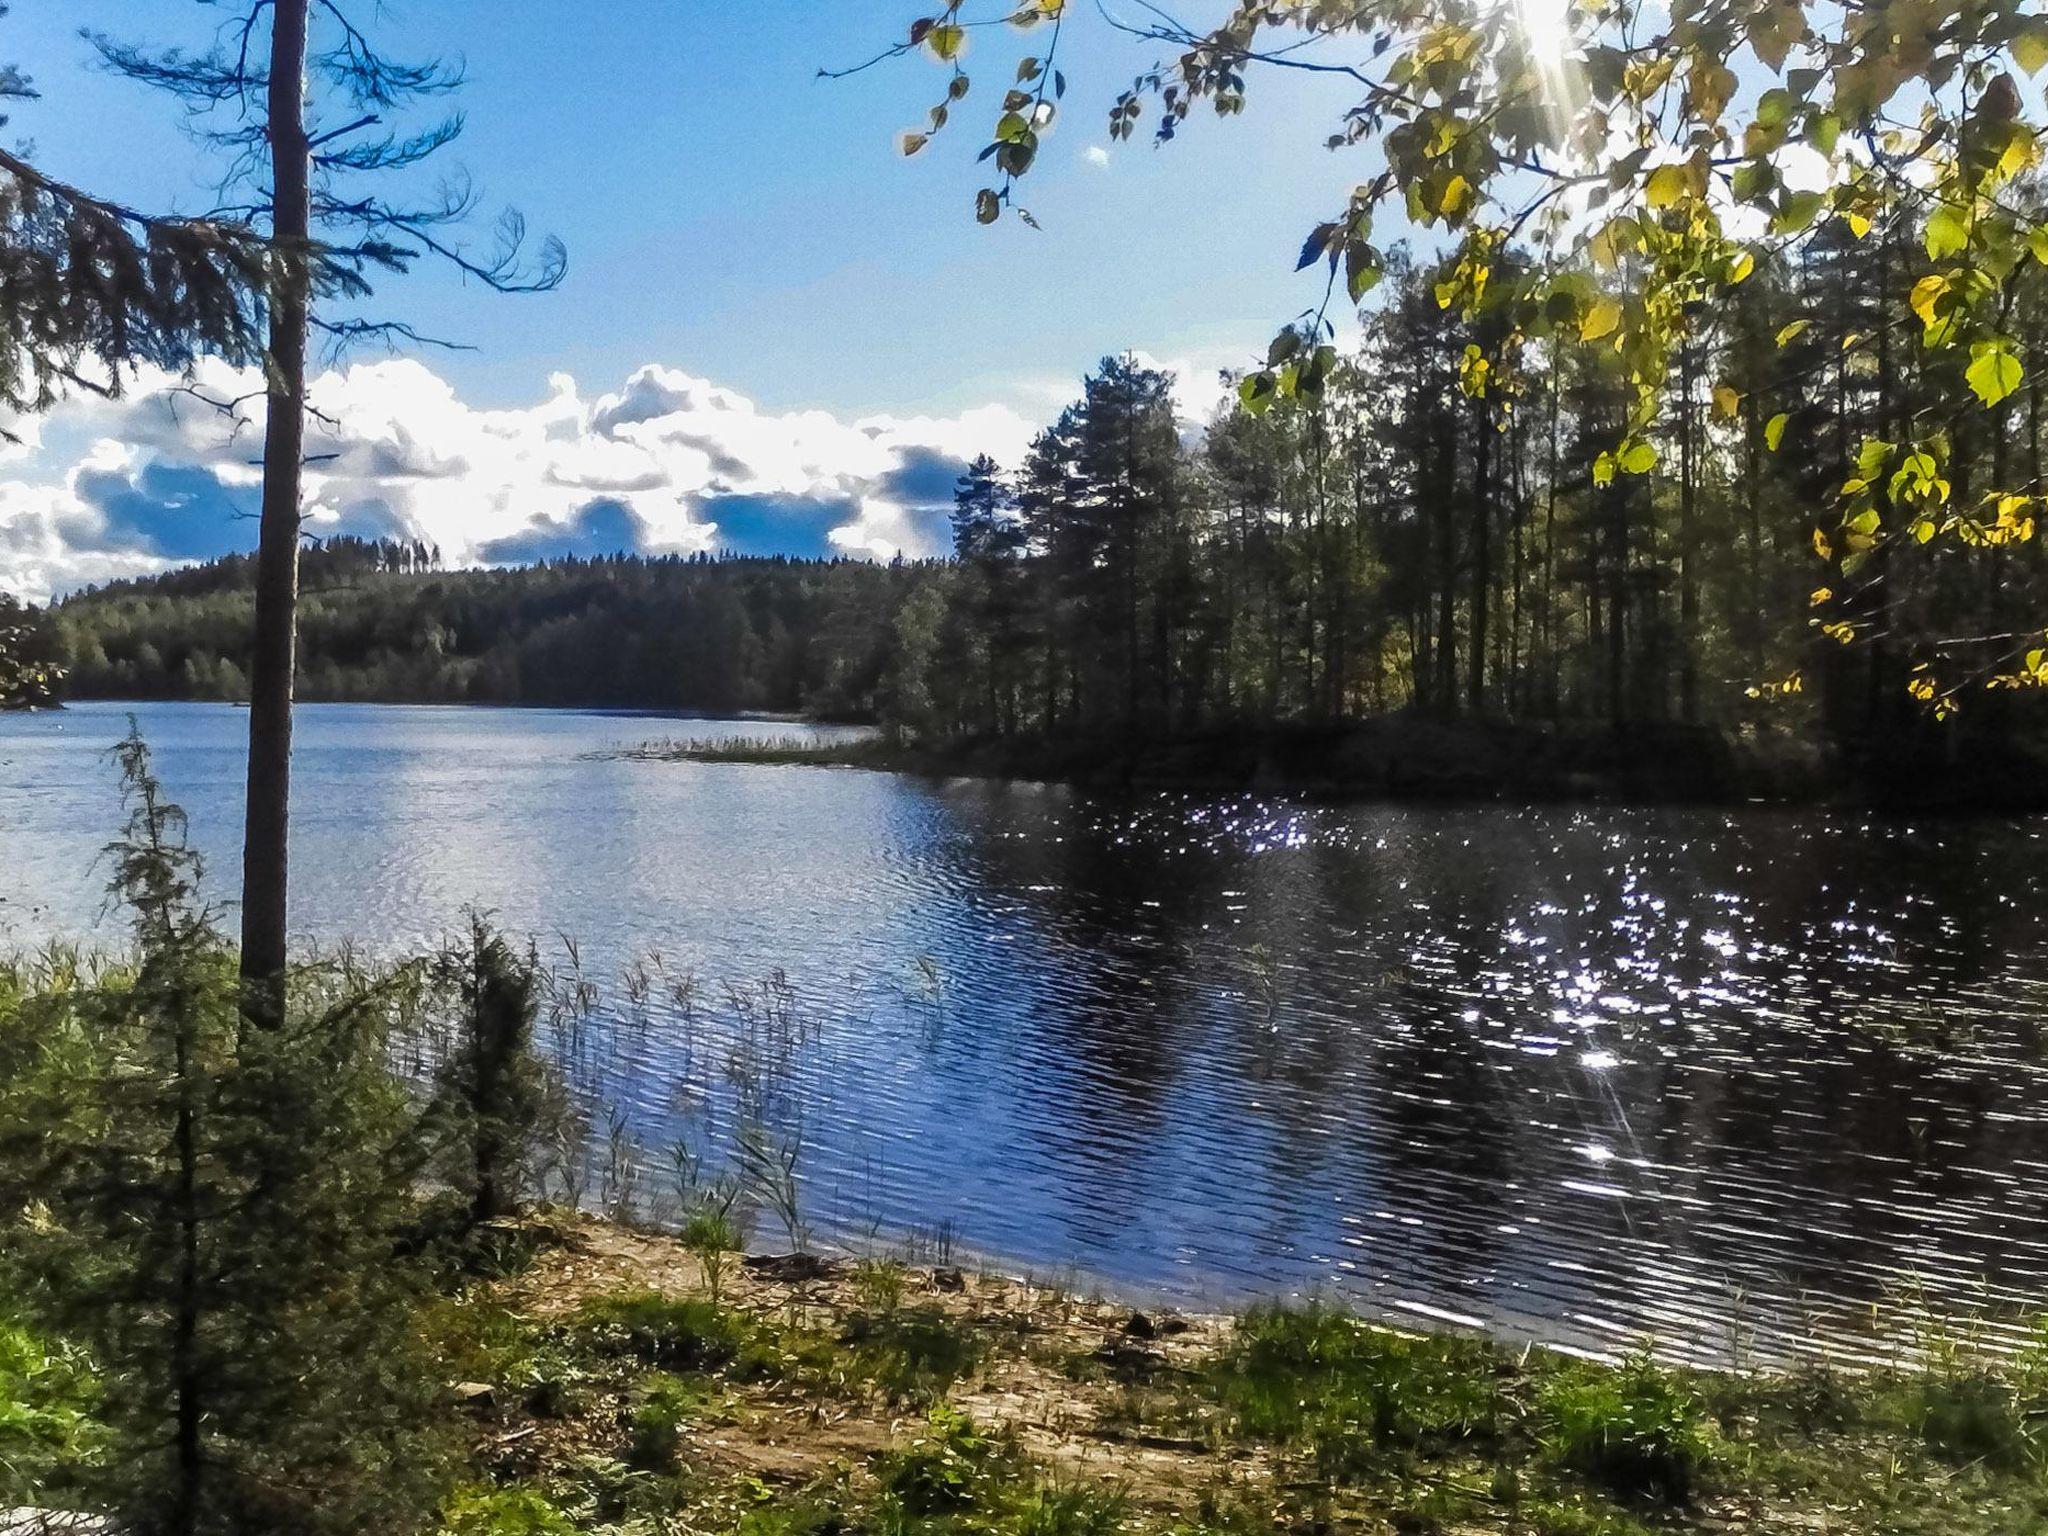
(1095, 155)
(665, 463)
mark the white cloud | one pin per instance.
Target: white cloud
(667, 462)
(1095, 154)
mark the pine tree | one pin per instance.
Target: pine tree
(492, 1090)
(29, 673)
(304, 175)
(214, 1212)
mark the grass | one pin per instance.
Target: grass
(1350, 1393)
(1636, 1432)
(47, 1398)
(912, 1355)
(623, 1399)
(687, 1333)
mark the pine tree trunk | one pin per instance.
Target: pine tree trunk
(264, 864)
(1553, 688)
(1446, 683)
(1482, 557)
(1688, 546)
(188, 1499)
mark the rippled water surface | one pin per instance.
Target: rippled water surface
(1724, 1078)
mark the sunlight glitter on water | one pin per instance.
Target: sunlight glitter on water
(1594, 1072)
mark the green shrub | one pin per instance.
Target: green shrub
(912, 1356)
(1975, 1416)
(691, 1335)
(47, 1429)
(666, 1404)
(714, 1230)
(1349, 1391)
(493, 1096)
(504, 1512)
(219, 1213)
(879, 1283)
(1633, 1430)
(1072, 1509)
(1547, 1517)
(804, 1517)
(943, 1471)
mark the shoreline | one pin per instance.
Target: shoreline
(1400, 760)
(827, 1394)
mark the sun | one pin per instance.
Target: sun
(1547, 24)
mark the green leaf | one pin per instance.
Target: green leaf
(986, 209)
(1948, 232)
(1667, 185)
(1601, 320)
(2030, 45)
(1994, 372)
(1639, 458)
(1603, 469)
(1786, 333)
(1774, 431)
(1797, 212)
(1361, 269)
(1753, 180)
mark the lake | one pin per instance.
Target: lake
(1726, 1079)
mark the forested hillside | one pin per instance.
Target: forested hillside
(382, 622)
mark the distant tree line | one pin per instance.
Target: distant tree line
(380, 621)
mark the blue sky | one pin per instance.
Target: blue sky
(728, 212)
(825, 326)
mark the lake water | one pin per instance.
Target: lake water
(1721, 1078)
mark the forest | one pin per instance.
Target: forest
(1402, 542)
(382, 622)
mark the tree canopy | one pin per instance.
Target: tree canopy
(1653, 159)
